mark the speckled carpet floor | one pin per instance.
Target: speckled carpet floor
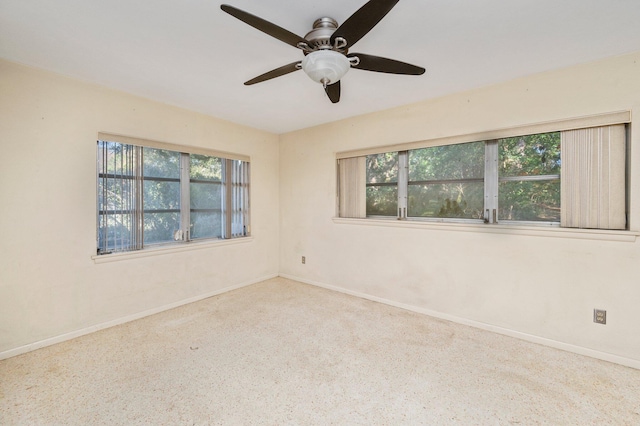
(281, 352)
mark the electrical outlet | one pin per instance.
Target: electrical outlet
(599, 316)
(304, 260)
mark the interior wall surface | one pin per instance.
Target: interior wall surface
(540, 286)
(49, 284)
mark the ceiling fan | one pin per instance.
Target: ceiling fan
(326, 47)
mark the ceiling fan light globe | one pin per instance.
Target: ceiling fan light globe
(325, 66)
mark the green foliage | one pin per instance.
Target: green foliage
(448, 181)
(438, 200)
(430, 195)
(382, 168)
(206, 224)
(161, 163)
(204, 167)
(205, 195)
(532, 155)
(530, 201)
(461, 161)
(161, 195)
(452, 208)
(382, 200)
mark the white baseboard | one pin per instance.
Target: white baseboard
(629, 362)
(77, 333)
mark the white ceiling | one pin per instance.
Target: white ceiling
(191, 54)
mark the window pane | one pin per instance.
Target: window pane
(203, 167)
(382, 201)
(530, 155)
(463, 200)
(118, 215)
(159, 227)
(161, 197)
(161, 163)
(114, 231)
(206, 224)
(115, 194)
(461, 161)
(206, 210)
(382, 168)
(140, 196)
(206, 195)
(529, 200)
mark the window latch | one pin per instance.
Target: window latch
(488, 218)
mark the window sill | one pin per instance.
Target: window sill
(168, 249)
(535, 231)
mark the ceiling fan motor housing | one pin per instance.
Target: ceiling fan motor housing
(320, 36)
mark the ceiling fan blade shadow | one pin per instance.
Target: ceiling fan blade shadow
(265, 26)
(362, 21)
(285, 69)
(389, 66)
(333, 92)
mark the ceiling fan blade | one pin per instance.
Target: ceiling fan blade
(390, 66)
(333, 92)
(265, 26)
(285, 69)
(362, 21)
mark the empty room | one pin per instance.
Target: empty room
(337, 212)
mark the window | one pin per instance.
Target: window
(149, 196)
(161, 195)
(446, 181)
(570, 178)
(382, 184)
(451, 181)
(529, 178)
(205, 190)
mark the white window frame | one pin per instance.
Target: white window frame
(235, 192)
(492, 178)
(491, 181)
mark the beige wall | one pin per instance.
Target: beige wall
(49, 284)
(543, 288)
